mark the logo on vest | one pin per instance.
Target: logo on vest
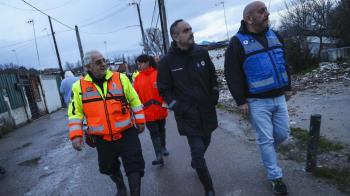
(114, 85)
(89, 89)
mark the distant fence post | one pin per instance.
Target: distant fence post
(312, 147)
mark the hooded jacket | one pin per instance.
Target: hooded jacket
(188, 83)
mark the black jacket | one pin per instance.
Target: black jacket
(188, 83)
(235, 77)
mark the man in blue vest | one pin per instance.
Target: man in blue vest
(259, 81)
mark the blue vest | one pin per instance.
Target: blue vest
(264, 68)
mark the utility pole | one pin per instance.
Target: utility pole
(223, 5)
(80, 48)
(36, 44)
(145, 48)
(57, 53)
(163, 23)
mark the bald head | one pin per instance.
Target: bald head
(251, 8)
(256, 17)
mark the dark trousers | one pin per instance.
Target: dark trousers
(157, 129)
(198, 146)
(128, 148)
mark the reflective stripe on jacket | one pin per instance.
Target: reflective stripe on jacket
(146, 87)
(264, 68)
(107, 113)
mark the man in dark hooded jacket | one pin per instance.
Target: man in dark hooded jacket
(188, 83)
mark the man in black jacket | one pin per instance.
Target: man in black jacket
(258, 79)
(188, 83)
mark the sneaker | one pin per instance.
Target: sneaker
(278, 186)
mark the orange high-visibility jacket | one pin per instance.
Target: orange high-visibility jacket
(107, 113)
(145, 85)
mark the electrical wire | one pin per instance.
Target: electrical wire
(154, 10)
(48, 15)
(23, 9)
(127, 27)
(120, 10)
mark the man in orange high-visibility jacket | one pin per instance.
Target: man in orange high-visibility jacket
(111, 107)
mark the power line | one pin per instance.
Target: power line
(127, 27)
(24, 41)
(105, 17)
(154, 10)
(48, 15)
(23, 9)
(100, 13)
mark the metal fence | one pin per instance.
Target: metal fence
(8, 88)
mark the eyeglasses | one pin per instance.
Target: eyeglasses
(100, 61)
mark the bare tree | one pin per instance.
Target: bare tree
(307, 18)
(154, 41)
(321, 11)
(340, 23)
(69, 66)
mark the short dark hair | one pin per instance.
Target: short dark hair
(146, 58)
(173, 29)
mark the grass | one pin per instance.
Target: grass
(325, 145)
(341, 177)
(221, 106)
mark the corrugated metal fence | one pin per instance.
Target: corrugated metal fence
(8, 87)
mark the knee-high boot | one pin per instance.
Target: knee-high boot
(135, 183)
(206, 181)
(163, 142)
(118, 180)
(158, 150)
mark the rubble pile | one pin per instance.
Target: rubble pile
(327, 72)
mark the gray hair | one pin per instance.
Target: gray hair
(88, 56)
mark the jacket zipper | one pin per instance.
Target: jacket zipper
(107, 117)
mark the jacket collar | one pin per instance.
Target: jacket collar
(108, 76)
(174, 49)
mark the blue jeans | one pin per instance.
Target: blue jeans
(269, 117)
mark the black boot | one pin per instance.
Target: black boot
(158, 150)
(165, 151)
(206, 181)
(118, 180)
(135, 183)
(163, 143)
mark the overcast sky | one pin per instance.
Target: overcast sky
(110, 26)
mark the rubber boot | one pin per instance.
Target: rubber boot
(158, 150)
(118, 180)
(205, 178)
(135, 183)
(163, 142)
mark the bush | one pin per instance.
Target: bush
(298, 57)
